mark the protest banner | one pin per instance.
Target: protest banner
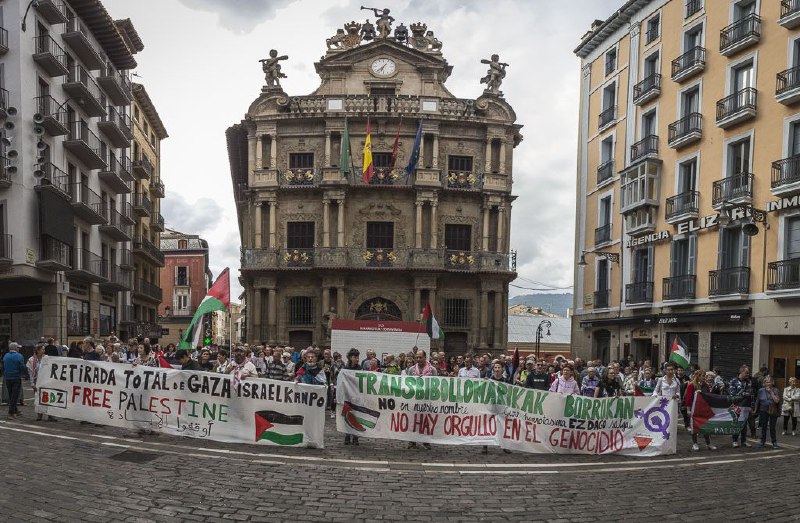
(182, 403)
(717, 414)
(459, 411)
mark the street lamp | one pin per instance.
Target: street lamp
(610, 256)
(756, 216)
(539, 333)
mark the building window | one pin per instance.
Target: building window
(301, 310)
(734, 248)
(380, 235)
(640, 219)
(649, 124)
(687, 176)
(182, 244)
(602, 295)
(611, 61)
(744, 9)
(690, 101)
(381, 160)
(459, 163)
(739, 157)
(693, 6)
(181, 302)
(300, 235)
(651, 65)
(643, 264)
(791, 249)
(609, 112)
(182, 276)
(457, 237)
(682, 261)
(653, 29)
(456, 312)
(301, 161)
(77, 317)
(639, 185)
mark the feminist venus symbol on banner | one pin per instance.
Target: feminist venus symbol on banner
(656, 419)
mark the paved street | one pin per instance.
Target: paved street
(67, 471)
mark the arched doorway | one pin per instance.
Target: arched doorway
(379, 309)
(602, 346)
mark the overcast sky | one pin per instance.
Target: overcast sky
(200, 66)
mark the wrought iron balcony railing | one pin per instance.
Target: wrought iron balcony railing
(639, 292)
(681, 204)
(680, 287)
(733, 280)
(783, 275)
(732, 187)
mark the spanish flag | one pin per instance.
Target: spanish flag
(367, 167)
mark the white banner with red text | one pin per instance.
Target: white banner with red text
(201, 405)
(458, 411)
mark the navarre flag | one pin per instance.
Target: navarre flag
(345, 160)
(717, 414)
(217, 299)
(279, 428)
(359, 418)
(431, 325)
(414, 158)
(680, 353)
(367, 169)
(396, 145)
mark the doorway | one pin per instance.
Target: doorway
(784, 359)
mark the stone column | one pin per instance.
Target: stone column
(435, 159)
(272, 225)
(272, 316)
(421, 161)
(502, 167)
(326, 224)
(259, 151)
(434, 224)
(500, 227)
(498, 318)
(273, 152)
(327, 148)
(418, 229)
(256, 333)
(251, 154)
(482, 341)
(249, 316)
(340, 224)
(326, 299)
(258, 217)
(341, 302)
(417, 303)
(485, 233)
(488, 162)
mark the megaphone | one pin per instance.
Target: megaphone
(38, 118)
(9, 126)
(12, 154)
(11, 169)
(750, 229)
(11, 111)
(40, 145)
(38, 130)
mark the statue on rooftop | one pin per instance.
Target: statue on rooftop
(495, 74)
(272, 69)
(384, 22)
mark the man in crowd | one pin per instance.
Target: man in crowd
(276, 369)
(469, 370)
(539, 379)
(13, 370)
(186, 361)
(422, 368)
(589, 382)
(483, 367)
(743, 386)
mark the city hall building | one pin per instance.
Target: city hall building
(688, 215)
(322, 241)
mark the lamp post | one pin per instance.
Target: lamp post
(753, 214)
(539, 333)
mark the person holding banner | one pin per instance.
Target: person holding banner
(668, 385)
(609, 386)
(422, 367)
(768, 407)
(565, 382)
(699, 383)
(351, 364)
(311, 373)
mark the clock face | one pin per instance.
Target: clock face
(383, 67)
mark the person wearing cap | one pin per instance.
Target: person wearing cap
(13, 369)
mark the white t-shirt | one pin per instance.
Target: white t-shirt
(667, 390)
(471, 372)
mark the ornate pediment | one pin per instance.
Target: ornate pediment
(384, 47)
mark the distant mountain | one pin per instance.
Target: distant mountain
(555, 303)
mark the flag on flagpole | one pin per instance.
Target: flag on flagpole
(367, 169)
(680, 353)
(344, 158)
(431, 325)
(396, 145)
(217, 299)
(414, 158)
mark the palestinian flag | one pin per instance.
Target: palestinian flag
(431, 325)
(716, 414)
(359, 418)
(680, 353)
(279, 428)
(217, 299)
(641, 390)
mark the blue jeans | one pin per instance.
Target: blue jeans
(14, 388)
(763, 418)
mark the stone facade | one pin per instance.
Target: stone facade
(447, 219)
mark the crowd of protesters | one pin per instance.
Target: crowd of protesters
(317, 366)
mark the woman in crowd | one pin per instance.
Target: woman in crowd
(223, 363)
(668, 385)
(565, 383)
(648, 381)
(609, 385)
(768, 407)
(631, 382)
(352, 363)
(311, 373)
(698, 383)
(791, 405)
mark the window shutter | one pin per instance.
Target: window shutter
(690, 268)
(744, 260)
(650, 254)
(722, 249)
(673, 262)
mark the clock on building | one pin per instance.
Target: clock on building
(383, 67)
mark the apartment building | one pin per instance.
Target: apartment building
(688, 217)
(321, 240)
(185, 280)
(65, 177)
(148, 190)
